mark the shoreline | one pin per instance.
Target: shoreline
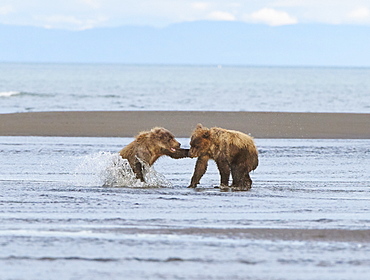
(182, 123)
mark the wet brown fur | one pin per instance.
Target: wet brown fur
(234, 153)
(148, 146)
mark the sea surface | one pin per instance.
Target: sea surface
(85, 87)
(66, 213)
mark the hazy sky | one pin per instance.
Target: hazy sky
(85, 14)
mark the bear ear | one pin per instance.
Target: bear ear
(156, 133)
(199, 126)
(156, 130)
(204, 132)
(160, 133)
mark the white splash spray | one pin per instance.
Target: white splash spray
(110, 170)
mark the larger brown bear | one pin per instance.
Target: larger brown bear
(148, 146)
(233, 151)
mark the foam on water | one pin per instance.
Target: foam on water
(109, 169)
(9, 93)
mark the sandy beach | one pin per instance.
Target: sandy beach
(181, 123)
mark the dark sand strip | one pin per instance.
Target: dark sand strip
(325, 235)
(181, 123)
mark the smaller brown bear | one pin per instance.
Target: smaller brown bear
(149, 146)
(233, 151)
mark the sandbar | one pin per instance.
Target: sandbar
(182, 123)
(287, 234)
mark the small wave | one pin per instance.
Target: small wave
(22, 93)
(125, 259)
(109, 169)
(9, 93)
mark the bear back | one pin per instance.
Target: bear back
(224, 139)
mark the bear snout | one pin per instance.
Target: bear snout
(175, 146)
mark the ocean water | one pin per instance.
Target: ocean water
(306, 216)
(85, 87)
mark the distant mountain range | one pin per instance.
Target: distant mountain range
(202, 42)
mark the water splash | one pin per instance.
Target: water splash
(110, 170)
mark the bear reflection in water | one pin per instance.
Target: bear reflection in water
(148, 146)
(233, 151)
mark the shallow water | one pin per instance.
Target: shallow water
(57, 221)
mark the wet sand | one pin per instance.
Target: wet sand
(321, 235)
(181, 123)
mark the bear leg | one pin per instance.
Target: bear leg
(241, 179)
(180, 153)
(138, 170)
(224, 169)
(200, 169)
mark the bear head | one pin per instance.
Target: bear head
(164, 139)
(200, 141)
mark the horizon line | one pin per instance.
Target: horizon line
(206, 65)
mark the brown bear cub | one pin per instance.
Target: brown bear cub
(233, 151)
(149, 146)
